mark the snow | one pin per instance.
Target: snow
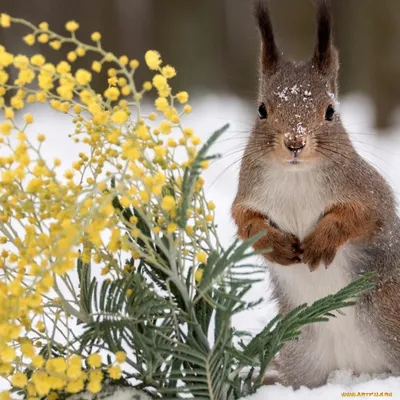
(282, 94)
(295, 89)
(221, 182)
(300, 128)
(336, 102)
(340, 386)
(110, 394)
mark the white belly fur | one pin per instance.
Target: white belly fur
(295, 204)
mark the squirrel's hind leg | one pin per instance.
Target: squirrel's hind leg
(300, 363)
(383, 306)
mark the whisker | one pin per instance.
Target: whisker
(233, 152)
(360, 142)
(336, 152)
(325, 142)
(240, 159)
(336, 162)
(249, 151)
(247, 147)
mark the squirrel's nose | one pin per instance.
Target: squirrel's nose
(295, 142)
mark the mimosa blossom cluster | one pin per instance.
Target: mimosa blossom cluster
(51, 216)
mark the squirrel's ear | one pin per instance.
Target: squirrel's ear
(325, 54)
(269, 51)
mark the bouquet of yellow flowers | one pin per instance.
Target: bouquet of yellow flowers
(111, 271)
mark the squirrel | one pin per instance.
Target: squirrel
(329, 216)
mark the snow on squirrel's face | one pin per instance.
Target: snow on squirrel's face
(298, 121)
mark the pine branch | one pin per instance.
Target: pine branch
(285, 328)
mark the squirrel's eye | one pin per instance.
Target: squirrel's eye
(262, 111)
(330, 112)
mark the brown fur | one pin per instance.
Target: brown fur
(341, 224)
(358, 209)
(276, 245)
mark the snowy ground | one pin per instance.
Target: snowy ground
(341, 386)
(210, 113)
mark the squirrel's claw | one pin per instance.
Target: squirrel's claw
(316, 252)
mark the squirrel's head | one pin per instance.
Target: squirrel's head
(298, 110)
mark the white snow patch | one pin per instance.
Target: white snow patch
(110, 394)
(300, 128)
(341, 384)
(334, 99)
(283, 94)
(295, 89)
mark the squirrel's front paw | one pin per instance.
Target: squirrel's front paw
(285, 248)
(317, 249)
(277, 246)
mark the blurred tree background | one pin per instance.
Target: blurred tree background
(214, 43)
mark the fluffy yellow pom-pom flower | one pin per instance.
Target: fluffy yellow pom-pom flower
(161, 104)
(153, 59)
(199, 275)
(211, 205)
(63, 67)
(38, 60)
(201, 256)
(94, 387)
(134, 64)
(43, 38)
(115, 372)
(6, 127)
(29, 39)
(28, 350)
(71, 26)
(28, 118)
(160, 81)
(8, 354)
(182, 97)
(160, 151)
(83, 77)
(80, 51)
(5, 20)
(169, 72)
(112, 93)
(75, 386)
(55, 44)
(168, 203)
(44, 26)
(119, 117)
(94, 360)
(124, 60)
(95, 36)
(19, 380)
(56, 365)
(120, 356)
(5, 59)
(71, 56)
(96, 66)
(8, 113)
(165, 127)
(196, 140)
(147, 86)
(172, 227)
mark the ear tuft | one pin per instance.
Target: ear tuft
(269, 51)
(325, 55)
